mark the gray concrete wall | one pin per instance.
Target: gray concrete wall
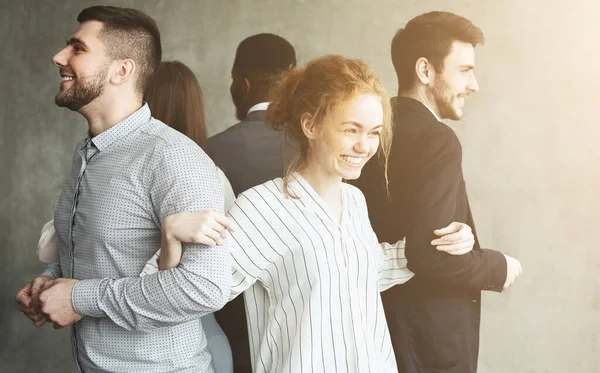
(530, 143)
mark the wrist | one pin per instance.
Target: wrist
(168, 226)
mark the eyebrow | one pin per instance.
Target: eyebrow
(74, 40)
(468, 67)
(357, 124)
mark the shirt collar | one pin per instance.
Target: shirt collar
(302, 189)
(259, 106)
(432, 112)
(121, 129)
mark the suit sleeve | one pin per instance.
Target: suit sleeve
(439, 179)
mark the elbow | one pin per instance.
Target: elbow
(216, 295)
(419, 268)
(221, 297)
(425, 265)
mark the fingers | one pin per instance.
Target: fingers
(208, 238)
(23, 297)
(460, 248)
(509, 282)
(40, 321)
(451, 228)
(452, 238)
(225, 222)
(210, 234)
(38, 285)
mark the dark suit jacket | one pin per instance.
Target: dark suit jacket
(433, 318)
(249, 153)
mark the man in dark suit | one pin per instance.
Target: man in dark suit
(434, 318)
(251, 152)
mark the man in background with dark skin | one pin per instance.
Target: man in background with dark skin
(251, 152)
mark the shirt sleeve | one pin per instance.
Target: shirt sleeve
(391, 258)
(249, 262)
(48, 251)
(185, 180)
(52, 270)
(435, 203)
(48, 244)
(393, 270)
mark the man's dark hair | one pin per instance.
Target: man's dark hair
(262, 58)
(429, 35)
(128, 34)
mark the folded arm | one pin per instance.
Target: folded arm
(435, 204)
(184, 180)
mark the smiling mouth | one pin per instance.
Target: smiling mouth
(355, 161)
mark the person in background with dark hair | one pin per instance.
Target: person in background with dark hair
(175, 98)
(433, 318)
(251, 152)
(127, 176)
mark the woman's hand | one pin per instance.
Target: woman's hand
(455, 239)
(204, 227)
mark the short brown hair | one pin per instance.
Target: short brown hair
(319, 89)
(128, 33)
(429, 35)
(175, 98)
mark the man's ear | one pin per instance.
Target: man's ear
(424, 70)
(123, 72)
(247, 86)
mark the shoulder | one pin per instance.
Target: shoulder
(172, 155)
(261, 197)
(263, 193)
(225, 135)
(442, 138)
(168, 142)
(427, 136)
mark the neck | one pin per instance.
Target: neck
(423, 97)
(327, 186)
(256, 101)
(101, 115)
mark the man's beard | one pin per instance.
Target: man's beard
(84, 90)
(444, 100)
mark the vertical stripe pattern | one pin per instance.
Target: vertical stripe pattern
(312, 283)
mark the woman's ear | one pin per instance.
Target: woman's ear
(308, 126)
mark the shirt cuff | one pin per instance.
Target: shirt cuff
(52, 270)
(85, 298)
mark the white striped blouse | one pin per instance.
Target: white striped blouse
(313, 284)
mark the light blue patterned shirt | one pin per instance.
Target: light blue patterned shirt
(122, 184)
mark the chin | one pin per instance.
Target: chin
(351, 175)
